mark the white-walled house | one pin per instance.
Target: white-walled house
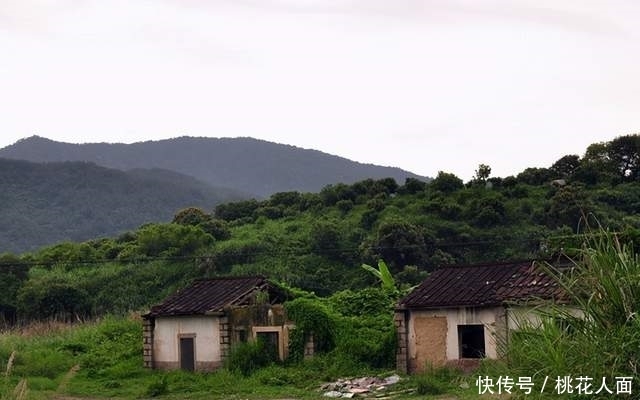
(460, 314)
(194, 328)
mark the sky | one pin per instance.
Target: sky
(424, 85)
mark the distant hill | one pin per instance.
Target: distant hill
(46, 203)
(245, 164)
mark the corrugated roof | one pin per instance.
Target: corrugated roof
(208, 296)
(482, 285)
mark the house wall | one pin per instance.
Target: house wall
(205, 329)
(432, 335)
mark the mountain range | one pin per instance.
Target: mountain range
(256, 167)
(52, 192)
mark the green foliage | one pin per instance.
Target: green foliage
(384, 275)
(436, 381)
(310, 318)
(326, 239)
(13, 274)
(190, 216)
(171, 240)
(597, 334)
(53, 298)
(364, 302)
(566, 166)
(482, 173)
(52, 203)
(400, 243)
(158, 387)
(412, 186)
(317, 241)
(247, 357)
(535, 176)
(446, 182)
(236, 210)
(369, 340)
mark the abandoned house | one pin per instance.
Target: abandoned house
(459, 314)
(194, 328)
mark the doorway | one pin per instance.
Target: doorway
(471, 341)
(187, 354)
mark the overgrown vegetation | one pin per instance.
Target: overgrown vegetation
(104, 359)
(315, 244)
(317, 241)
(597, 334)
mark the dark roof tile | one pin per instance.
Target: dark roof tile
(208, 296)
(482, 285)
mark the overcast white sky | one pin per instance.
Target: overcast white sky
(425, 85)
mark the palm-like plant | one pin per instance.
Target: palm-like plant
(382, 273)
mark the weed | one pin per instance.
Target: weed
(599, 333)
(248, 357)
(157, 387)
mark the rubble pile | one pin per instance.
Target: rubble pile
(348, 388)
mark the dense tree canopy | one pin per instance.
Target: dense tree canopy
(317, 241)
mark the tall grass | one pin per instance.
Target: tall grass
(598, 333)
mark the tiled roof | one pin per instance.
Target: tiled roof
(482, 285)
(208, 296)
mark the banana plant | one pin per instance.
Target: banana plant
(382, 273)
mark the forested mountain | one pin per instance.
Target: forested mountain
(45, 203)
(317, 241)
(248, 165)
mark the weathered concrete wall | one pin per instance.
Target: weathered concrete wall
(433, 334)
(205, 330)
(256, 318)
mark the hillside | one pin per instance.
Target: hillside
(46, 203)
(248, 165)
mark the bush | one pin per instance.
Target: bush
(247, 357)
(310, 317)
(429, 385)
(365, 302)
(157, 387)
(598, 335)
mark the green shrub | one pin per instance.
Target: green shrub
(248, 357)
(429, 384)
(157, 387)
(368, 342)
(42, 362)
(599, 335)
(310, 317)
(368, 301)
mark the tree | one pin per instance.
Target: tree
(412, 186)
(53, 298)
(446, 182)
(482, 173)
(624, 153)
(566, 166)
(400, 243)
(326, 239)
(236, 210)
(13, 273)
(171, 240)
(568, 206)
(535, 176)
(190, 216)
(617, 160)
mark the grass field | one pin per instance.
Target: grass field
(103, 359)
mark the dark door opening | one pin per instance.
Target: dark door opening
(269, 342)
(187, 354)
(471, 341)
